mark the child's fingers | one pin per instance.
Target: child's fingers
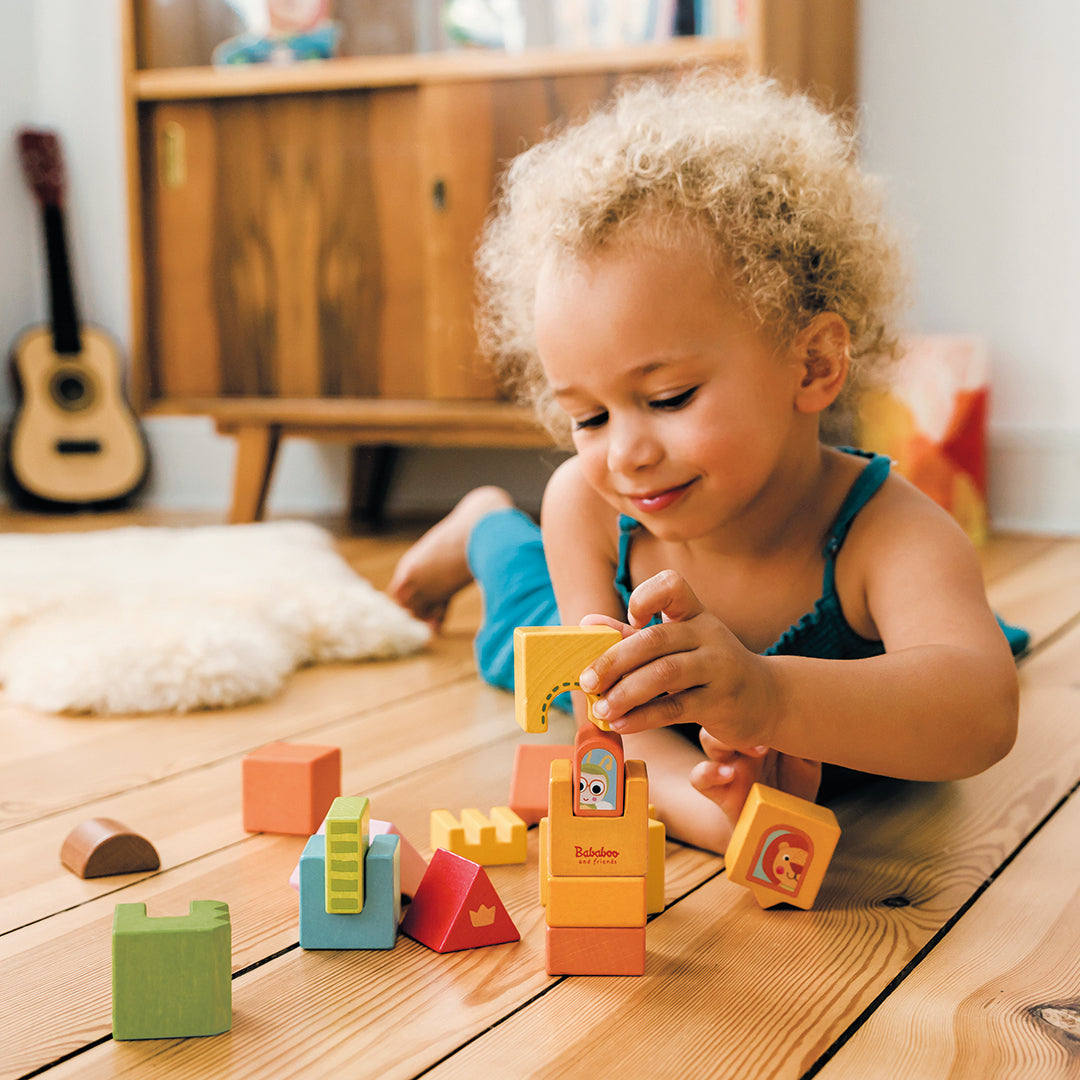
(663, 646)
(667, 594)
(711, 774)
(606, 620)
(661, 710)
(720, 751)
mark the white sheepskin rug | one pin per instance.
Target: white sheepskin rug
(138, 620)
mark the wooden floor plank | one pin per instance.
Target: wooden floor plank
(198, 811)
(1043, 593)
(62, 964)
(59, 762)
(998, 996)
(730, 989)
(1002, 555)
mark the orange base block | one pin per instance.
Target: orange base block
(588, 950)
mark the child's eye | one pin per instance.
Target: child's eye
(672, 404)
(596, 420)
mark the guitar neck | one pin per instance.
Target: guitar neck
(65, 319)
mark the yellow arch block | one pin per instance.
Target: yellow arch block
(548, 661)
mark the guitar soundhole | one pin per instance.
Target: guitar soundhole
(72, 389)
(78, 446)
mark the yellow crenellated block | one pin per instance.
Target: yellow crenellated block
(597, 846)
(781, 847)
(595, 901)
(548, 660)
(496, 841)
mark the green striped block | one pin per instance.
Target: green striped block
(346, 846)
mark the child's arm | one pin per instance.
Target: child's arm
(581, 547)
(940, 704)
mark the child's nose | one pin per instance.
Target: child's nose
(632, 446)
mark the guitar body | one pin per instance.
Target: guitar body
(74, 440)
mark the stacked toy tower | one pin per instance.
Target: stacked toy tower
(601, 857)
(594, 871)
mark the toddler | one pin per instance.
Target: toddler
(689, 287)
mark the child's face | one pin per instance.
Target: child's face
(683, 412)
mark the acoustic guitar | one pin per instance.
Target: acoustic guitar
(74, 441)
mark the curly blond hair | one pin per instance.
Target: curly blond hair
(769, 179)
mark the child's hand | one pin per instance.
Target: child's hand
(688, 669)
(726, 775)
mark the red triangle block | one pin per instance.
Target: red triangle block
(457, 907)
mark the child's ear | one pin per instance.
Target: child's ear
(822, 349)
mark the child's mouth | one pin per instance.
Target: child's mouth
(659, 500)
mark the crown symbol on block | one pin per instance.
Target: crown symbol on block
(483, 916)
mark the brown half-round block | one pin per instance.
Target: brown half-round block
(100, 847)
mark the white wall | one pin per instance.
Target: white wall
(970, 112)
(20, 289)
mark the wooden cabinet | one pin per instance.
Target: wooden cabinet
(302, 237)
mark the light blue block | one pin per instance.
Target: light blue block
(375, 927)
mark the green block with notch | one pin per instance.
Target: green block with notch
(346, 846)
(171, 975)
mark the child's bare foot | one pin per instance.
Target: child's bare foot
(726, 775)
(436, 566)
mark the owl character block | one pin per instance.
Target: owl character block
(781, 847)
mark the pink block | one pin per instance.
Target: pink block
(412, 862)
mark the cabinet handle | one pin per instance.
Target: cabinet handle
(173, 151)
(438, 195)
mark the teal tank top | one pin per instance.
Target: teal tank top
(822, 632)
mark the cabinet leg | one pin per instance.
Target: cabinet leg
(369, 484)
(256, 449)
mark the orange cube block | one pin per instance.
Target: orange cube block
(529, 778)
(289, 787)
(588, 950)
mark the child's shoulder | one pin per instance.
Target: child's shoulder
(573, 507)
(901, 523)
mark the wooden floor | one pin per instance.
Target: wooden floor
(944, 942)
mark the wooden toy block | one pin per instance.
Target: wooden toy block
(587, 950)
(548, 661)
(498, 841)
(457, 907)
(654, 878)
(595, 901)
(289, 787)
(597, 846)
(655, 897)
(542, 859)
(529, 779)
(101, 846)
(413, 864)
(171, 975)
(346, 831)
(376, 925)
(599, 773)
(781, 847)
